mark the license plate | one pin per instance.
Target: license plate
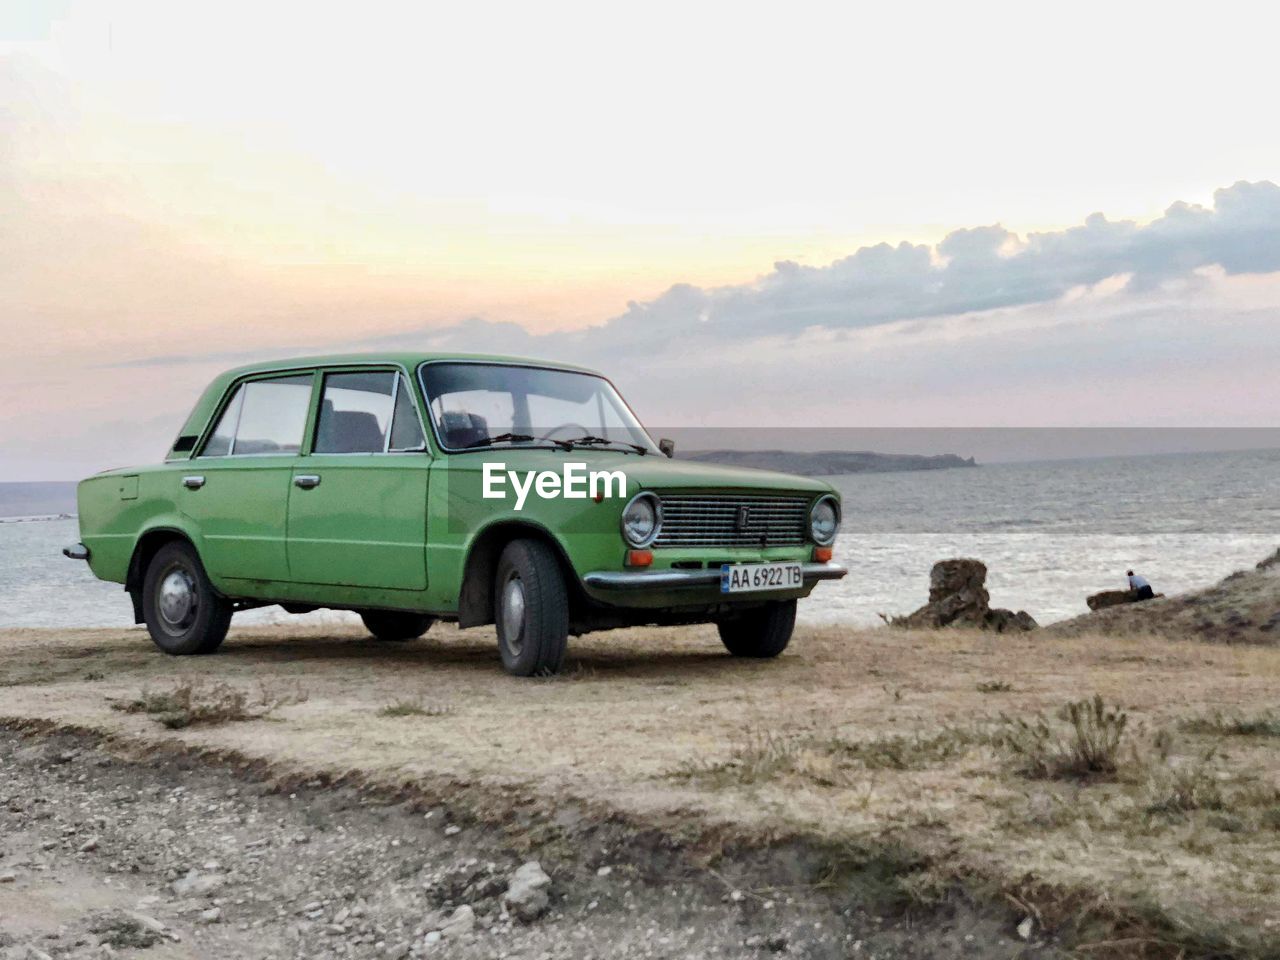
(751, 577)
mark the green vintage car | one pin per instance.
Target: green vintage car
(413, 487)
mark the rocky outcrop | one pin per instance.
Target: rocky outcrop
(1111, 598)
(958, 598)
(1243, 608)
(1115, 598)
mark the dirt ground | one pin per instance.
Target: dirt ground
(871, 786)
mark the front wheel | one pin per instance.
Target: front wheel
(531, 609)
(396, 627)
(762, 632)
(183, 613)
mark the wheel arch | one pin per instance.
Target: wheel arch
(146, 547)
(475, 596)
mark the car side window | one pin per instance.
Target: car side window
(263, 417)
(406, 428)
(355, 412)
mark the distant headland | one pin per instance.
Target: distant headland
(829, 462)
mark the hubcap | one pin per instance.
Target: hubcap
(177, 600)
(513, 614)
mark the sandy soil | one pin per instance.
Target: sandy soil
(882, 745)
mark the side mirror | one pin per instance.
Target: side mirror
(668, 447)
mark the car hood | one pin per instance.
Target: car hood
(652, 471)
(664, 473)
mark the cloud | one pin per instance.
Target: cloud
(970, 271)
(980, 269)
(1172, 322)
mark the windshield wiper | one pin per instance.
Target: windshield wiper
(590, 441)
(516, 438)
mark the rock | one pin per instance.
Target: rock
(196, 884)
(433, 937)
(1271, 561)
(958, 597)
(604, 871)
(462, 921)
(1025, 928)
(1006, 621)
(452, 830)
(527, 897)
(89, 845)
(146, 920)
(1116, 598)
(212, 915)
(8, 877)
(964, 577)
(1111, 598)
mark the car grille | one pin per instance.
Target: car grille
(715, 521)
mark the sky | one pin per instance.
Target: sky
(800, 215)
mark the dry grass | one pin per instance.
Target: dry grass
(995, 686)
(1234, 725)
(762, 756)
(415, 708)
(192, 704)
(1087, 746)
(862, 739)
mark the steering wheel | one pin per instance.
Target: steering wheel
(582, 431)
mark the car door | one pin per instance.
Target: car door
(237, 487)
(357, 507)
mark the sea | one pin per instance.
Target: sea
(1050, 533)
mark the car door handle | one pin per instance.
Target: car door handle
(306, 481)
(193, 483)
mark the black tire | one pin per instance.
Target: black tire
(763, 632)
(183, 613)
(395, 627)
(533, 631)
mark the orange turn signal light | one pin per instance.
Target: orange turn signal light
(639, 558)
(821, 554)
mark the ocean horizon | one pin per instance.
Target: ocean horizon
(1050, 532)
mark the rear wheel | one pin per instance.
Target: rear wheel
(183, 613)
(396, 627)
(531, 609)
(762, 632)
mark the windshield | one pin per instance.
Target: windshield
(478, 405)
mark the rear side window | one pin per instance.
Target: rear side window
(263, 417)
(358, 410)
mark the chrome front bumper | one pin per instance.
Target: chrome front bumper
(669, 579)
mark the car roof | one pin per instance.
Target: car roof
(404, 358)
(205, 407)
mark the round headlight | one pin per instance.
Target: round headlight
(641, 520)
(824, 521)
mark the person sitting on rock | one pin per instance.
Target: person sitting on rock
(1138, 583)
